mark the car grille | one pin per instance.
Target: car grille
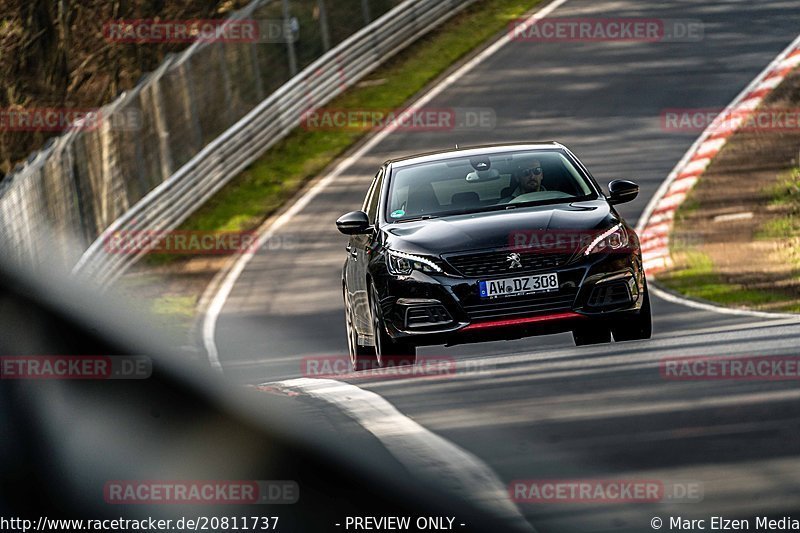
(488, 264)
(519, 306)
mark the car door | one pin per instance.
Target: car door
(359, 260)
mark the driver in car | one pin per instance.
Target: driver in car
(529, 179)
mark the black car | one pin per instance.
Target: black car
(489, 243)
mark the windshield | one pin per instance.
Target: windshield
(483, 183)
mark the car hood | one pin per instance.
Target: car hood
(495, 229)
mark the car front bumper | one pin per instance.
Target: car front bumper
(438, 309)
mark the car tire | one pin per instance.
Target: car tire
(361, 357)
(640, 327)
(388, 352)
(591, 334)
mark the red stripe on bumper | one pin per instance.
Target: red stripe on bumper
(526, 320)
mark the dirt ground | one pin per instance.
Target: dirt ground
(172, 292)
(725, 214)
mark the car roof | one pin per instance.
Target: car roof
(471, 151)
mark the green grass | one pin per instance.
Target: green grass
(175, 313)
(787, 190)
(695, 275)
(689, 206)
(785, 197)
(263, 187)
(698, 279)
(779, 228)
(174, 306)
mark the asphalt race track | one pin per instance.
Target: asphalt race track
(541, 408)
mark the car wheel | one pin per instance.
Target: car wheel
(591, 334)
(361, 357)
(639, 327)
(388, 352)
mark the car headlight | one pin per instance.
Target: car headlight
(613, 239)
(403, 264)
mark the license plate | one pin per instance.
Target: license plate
(517, 286)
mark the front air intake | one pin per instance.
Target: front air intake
(610, 295)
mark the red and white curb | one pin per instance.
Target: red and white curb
(656, 222)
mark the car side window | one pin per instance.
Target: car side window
(374, 196)
(368, 197)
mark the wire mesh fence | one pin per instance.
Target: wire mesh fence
(55, 205)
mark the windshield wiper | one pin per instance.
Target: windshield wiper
(415, 219)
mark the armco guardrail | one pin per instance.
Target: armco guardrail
(65, 195)
(203, 119)
(170, 203)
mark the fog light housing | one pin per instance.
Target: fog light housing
(610, 294)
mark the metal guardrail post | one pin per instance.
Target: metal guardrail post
(289, 36)
(365, 11)
(324, 30)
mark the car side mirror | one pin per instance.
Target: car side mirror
(354, 223)
(622, 191)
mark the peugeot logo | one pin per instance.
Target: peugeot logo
(514, 260)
